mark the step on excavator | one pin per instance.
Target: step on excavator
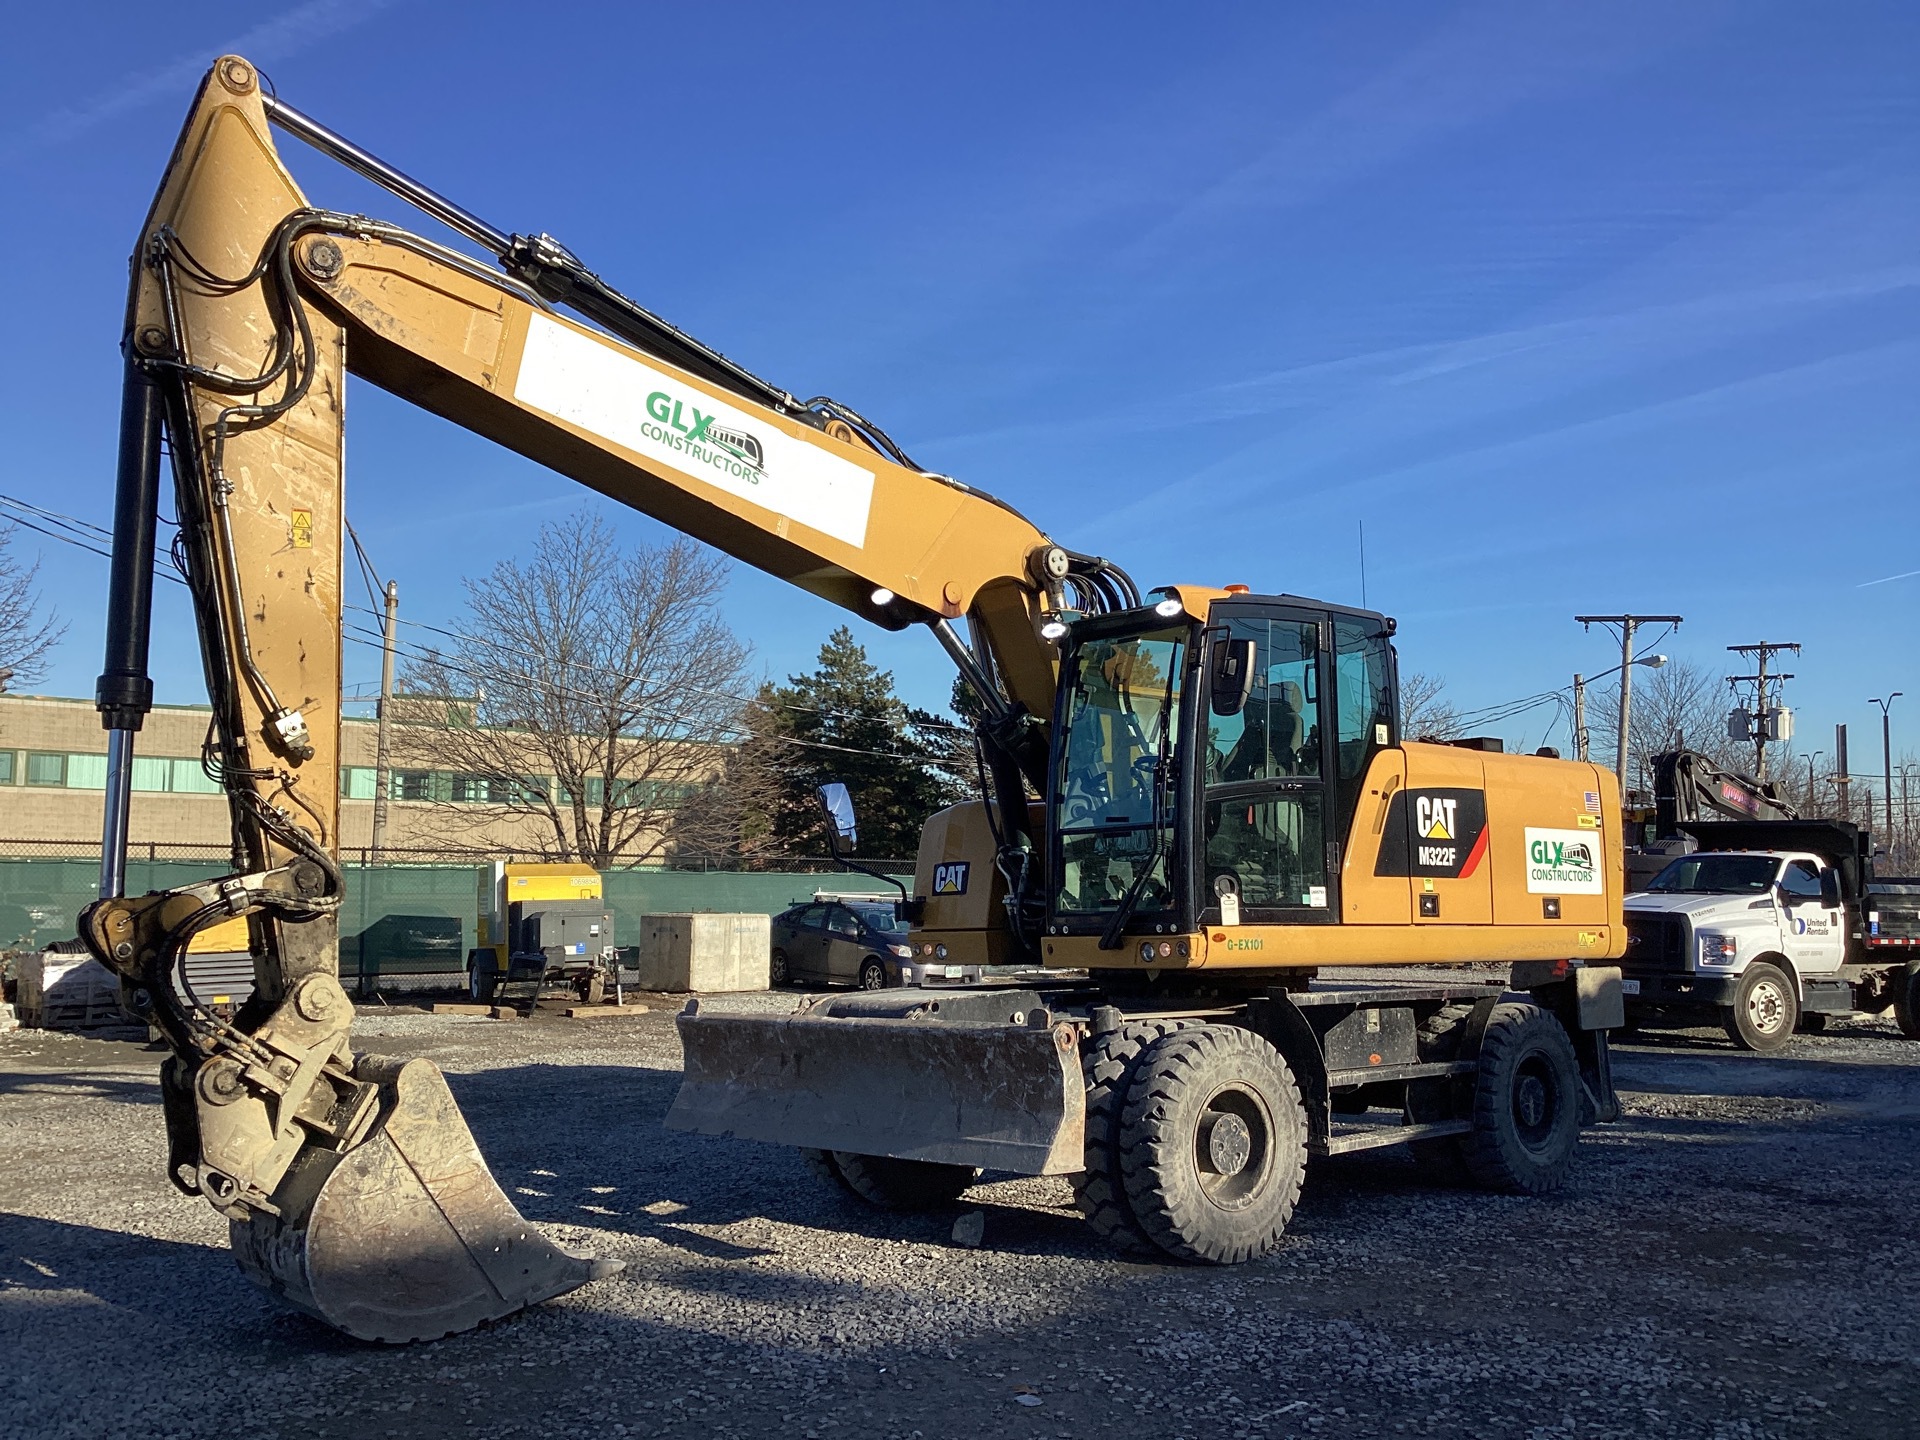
(1198, 810)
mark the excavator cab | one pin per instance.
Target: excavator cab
(1207, 761)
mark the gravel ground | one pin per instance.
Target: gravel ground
(1732, 1259)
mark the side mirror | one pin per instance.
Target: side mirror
(842, 828)
(1830, 889)
(1232, 675)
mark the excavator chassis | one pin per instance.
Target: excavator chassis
(1000, 1078)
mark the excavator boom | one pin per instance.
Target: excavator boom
(351, 1183)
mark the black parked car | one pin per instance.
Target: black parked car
(840, 941)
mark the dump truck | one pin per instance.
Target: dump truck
(1198, 807)
(1771, 927)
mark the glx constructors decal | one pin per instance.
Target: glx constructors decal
(1434, 834)
(587, 382)
(1564, 862)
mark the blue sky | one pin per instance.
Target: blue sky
(1580, 308)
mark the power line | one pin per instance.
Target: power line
(469, 639)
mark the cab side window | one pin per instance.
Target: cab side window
(1363, 667)
(1801, 881)
(841, 921)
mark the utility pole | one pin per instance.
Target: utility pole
(1886, 752)
(1765, 722)
(1813, 761)
(382, 767)
(1579, 717)
(1628, 624)
(1841, 779)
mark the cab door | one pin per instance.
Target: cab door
(1811, 919)
(1264, 759)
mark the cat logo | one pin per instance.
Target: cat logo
(1441, 832)
(951, 878)
(1434, 817)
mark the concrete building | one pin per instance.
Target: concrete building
(53, 775)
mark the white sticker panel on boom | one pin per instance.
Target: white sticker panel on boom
(606, 392)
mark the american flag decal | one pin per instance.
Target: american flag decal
(1593, 802)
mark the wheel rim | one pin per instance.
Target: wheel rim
(872, 977)
(1766, 1006)
(1233, 1147)
(1536, 1102)
(779, 967)
(473, 983)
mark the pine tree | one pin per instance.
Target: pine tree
(843, 722)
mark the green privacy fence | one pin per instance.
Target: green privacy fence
(41, 898)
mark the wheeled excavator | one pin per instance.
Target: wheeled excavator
(1198, 809)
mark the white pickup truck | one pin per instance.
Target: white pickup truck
(1766, 929)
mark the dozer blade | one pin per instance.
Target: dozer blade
(1003, 1097)
(405, 1236)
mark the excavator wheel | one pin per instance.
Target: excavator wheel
(1100, 1191)
(1906, 1001)
(1526, 1103)
(405, 1236)
(1213, 1144)
(890, 1184)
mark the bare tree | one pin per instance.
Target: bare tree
(605, 697)
(1425, 713)
(1680, 706)
(27, 633)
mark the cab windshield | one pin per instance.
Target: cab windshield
(1717, 875)
(1122, 711)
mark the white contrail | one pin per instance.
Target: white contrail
(1888, 579)
(274, 39)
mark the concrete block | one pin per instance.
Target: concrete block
(704, 954)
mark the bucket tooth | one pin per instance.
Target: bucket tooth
(405, 1236)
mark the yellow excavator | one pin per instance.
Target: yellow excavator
(1197, 804)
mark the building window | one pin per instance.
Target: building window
(6, 767)
(190, 778)
(152, 774)
(86, 772)
(357, 782)
(413, 785)
(46, 769)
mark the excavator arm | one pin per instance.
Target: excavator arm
(351, 1183)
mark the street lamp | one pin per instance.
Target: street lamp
(1886, 751)
(1580, 682)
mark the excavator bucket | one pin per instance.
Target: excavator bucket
(406, 1235)
(1003, 1096)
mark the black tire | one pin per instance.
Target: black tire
(482, 983)
(1906, 1001)
(891, 1184)
(1432, 1099)
(1765, 1009)
(779, 970)
(824, 1167)
(873, 974)
(1213, 1144)
(1526, 1103)
(1100, 1191)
